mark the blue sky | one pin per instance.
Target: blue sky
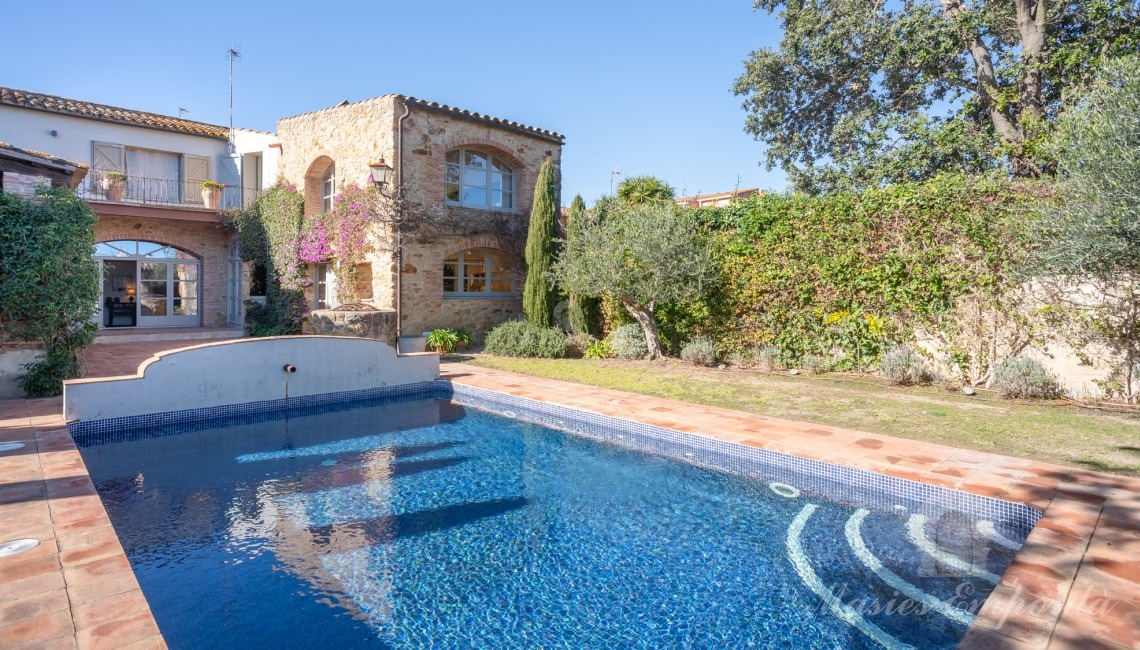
(643, 87)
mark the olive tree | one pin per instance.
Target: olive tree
(641, 255)
(1090, 238)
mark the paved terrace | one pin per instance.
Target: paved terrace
(1075, 582)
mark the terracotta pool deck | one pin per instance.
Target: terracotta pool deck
(1075, 582)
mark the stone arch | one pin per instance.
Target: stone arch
(494, 146)
(483, 240)
(314, 176)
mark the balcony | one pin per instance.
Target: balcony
(135, 190)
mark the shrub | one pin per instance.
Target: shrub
(279, 315)
(599, 350)
(814, 363)
(447, 339)
(523, 339)
(768, 358)
(628, 342)
(1025, 378)
(578, 343)
(44, 376)
(903, 366)
(740, 358)
(700, 352)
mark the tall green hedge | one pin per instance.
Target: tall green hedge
(49, 282)
(847, 275)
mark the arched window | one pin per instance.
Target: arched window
(478, 272)
(328, 188)
(476, 179)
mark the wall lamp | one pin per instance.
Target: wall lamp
(381, 173)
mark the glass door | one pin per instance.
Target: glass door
(168, 294)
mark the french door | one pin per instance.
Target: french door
(168, 294)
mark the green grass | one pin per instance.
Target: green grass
(1057, 434)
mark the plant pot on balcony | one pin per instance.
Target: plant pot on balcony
(114, 185)
(211, 195)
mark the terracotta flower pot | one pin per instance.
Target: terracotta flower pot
(211, 197)
(114, 188)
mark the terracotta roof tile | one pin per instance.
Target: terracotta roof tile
(77, 108)
(46, 157)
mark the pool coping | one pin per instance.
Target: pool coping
(1074, 582)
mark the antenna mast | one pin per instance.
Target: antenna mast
(233, 53)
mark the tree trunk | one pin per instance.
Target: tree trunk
(644, 316)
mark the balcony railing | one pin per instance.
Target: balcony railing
(102, 186)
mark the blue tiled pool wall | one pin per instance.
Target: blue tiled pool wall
(835, 482)
(88, 433)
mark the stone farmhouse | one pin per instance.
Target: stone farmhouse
(169, 260)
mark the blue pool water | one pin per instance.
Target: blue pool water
(421, 523)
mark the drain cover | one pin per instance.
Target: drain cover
(11, 446)
(17, 546)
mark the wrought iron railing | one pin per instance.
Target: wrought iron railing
(110, 186)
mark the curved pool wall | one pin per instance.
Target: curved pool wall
(235, 373)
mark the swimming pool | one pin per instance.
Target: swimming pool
(428, 520)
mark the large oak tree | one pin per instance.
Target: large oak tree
(861, 92)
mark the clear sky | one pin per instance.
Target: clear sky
(642, 87)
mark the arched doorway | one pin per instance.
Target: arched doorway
(149, 284)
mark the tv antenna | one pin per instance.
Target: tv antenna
(615, 172)
(182, 111)
(233, 53)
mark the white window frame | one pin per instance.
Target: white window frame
(324, 289)
(508, 174)
(488, 275)
(328, 187)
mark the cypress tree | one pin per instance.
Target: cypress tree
(538, 298)
(579, 306)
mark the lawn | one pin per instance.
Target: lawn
(1059, 434)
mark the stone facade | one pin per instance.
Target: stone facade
(353, 135)
(379, 324)
(207, 241)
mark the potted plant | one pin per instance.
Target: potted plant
(114, 185)
(211, 194)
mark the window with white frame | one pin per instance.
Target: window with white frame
(328, 188)
(325, 285)
(478, 272)
(476, 179)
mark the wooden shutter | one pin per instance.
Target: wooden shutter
(107, 157)
(195, 170)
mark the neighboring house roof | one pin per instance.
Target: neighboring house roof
(19, 160)
(721, 198)
(457, 112)
(105, 113)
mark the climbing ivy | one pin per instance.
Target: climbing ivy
(846, 275)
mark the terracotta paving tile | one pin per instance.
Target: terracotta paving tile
(17, 568)
(30, 586)
(95, 569)
(34, 632)
(118, 632)
(125, 605)
(19, 610)
(107, 585)
(150, 643)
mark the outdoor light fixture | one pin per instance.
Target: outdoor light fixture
(381, 172)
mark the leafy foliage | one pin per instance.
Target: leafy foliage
(847, 275)
(538, 297)
(628, 342)
(447, 339)
(1025, 378)
(599, 350)
(859, 94)
(525, 339)
(641, 190)
(1090, 237)
(700, 352)
(578, 343)
(640, 255)
(49, 282)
